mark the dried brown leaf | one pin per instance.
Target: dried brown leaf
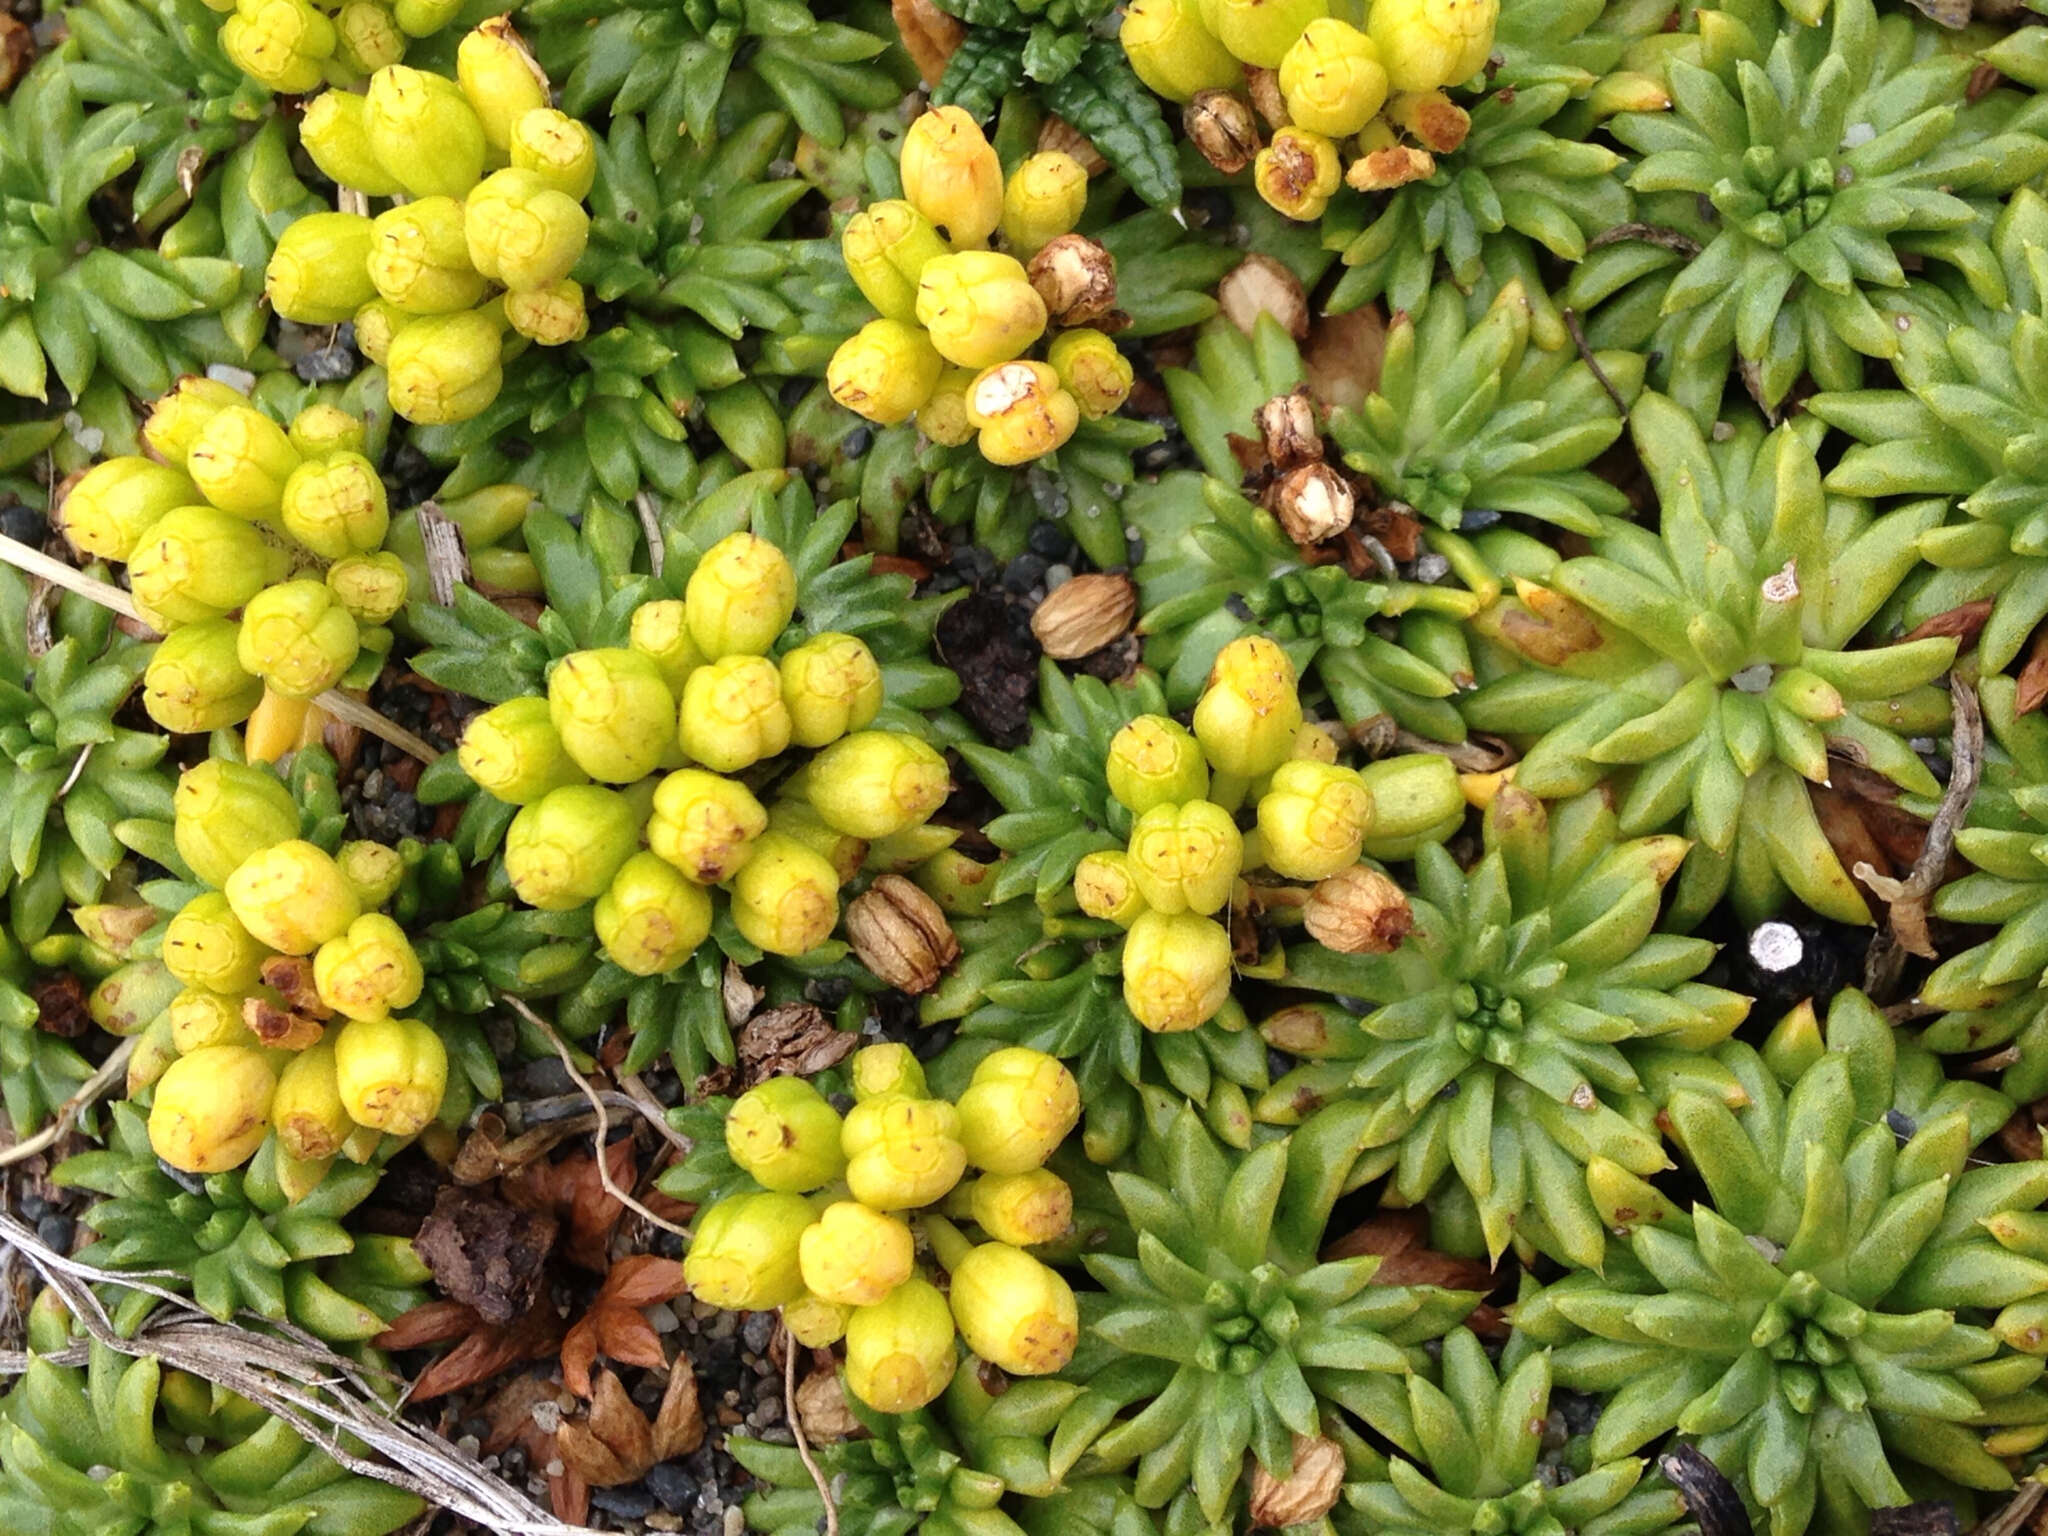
(929, 36)
(793, 1040)
(1341, 359)
(486, 1350)
(573, 1191)
(614, 1327)
(679, 1422)
(486, 1252)
(2031, 687)
(821, 1404)
(1965, 622)
(509, 1410)
(613, 1444)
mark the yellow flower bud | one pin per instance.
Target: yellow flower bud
(377, 324)
(553, 315)
(224, 811)
(335, 505)
(500, 77)
(1174, 53)
(786, 1135)
(1017, 1109)
(278, 43)
(212, 1109)
(831, 684)
(200, 1018)
(1185, 858)
(952, 176)
(885, 371)
(902, 1153)
(705, 825)
(943, 418)
(794, 819)
(1247, 717)
(855, 1256)
(564, 848)
(311, 1120)
(368, 972)
(732, 713)
(293, 897)
(522, 232)
(1176, 970)
(1332, 78)
(207, 947)
(886, 246)
(1021, 412)
(661, 631)
(419, 258)
(392, 1073)
(1430, 43)
(1092, 370)
(899, 1352)
(445, 368)
(613, 712)
(322, 429)
(298, 638)
(174, 420)
(743, 1256)
(1298, 173)
(240, 461)
(1043, 198)
(887, 1068)
(373, 871)
(109, 507)
(1015, 1312)
(877, 783)
(650, 919)
(195, 681)
(367, 37)
(815, 1322)
(1261, 31)
(979, 307)
(335, 134)
(1105, 889)
(1313, 819)
(740, 597)
(1022, 1209)
(785, 899)
(513, 751)
(1155, 761)
(558, 149)
(316, 273)
(196, 563)
(423, 132)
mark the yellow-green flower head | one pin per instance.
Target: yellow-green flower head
(370, 971)
(1313, 819)
(1020, 412)
(899, 1352)
(884, 371)
(501, 78)
(298, 638)
(902, 1153)
(423, 132)
(293, 897)
(794, 818)
(373, 870)
(1022, 1209)
(208, 947)
(743, 1256)
(1298, 173)
(196, 563)
(1176, 970)
(195, 681)
(513, 751)
(311, 1120)
(815, 1322)
(831, 684)
(322, 429)
(1248, 715)
(523, 232)
(613, 712)
(367, 37)
(371, 588)
(316, 274)
(786, 1135)
(1174, 53)
(979, 308)
(1042, 199)
(335, 505)
(855, 1256)
(877, 783)
(886, 246)
(240, 461)
(174, 419)
(732, 714)
(335, 133)
(740, 597)
(564, 848)
(223, 811)
(392, 1073)
(785, 899)
(557, 148)
(1104, 887)
(444, 368)
(1426, 44)
(423, 18)
(553, 315)
(419, 258)
(650, 919)
(278, 43)
(212, 1109)
(1261, 31)
(200, 1018)
(1093, 370)
(1333, 79)
(661, 631)
(1155, 761)
(705, 825)
(943, 418)
(952, 176)
(890, 1067)
(1186, 857)
(377, 323)
(112, 505)
(1015, 1312)
(1017, 1109)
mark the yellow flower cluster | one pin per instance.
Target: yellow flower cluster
(831, 1241)
(958, 319)
(293, 46)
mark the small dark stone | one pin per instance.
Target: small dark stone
(191, 1183)
(793, 392)
(1238, 608)
(1049, 541)
(1023, 573)
(32, 1207)
(24, 525)
(945, 581)
(56, 1232)
(327, 365)
(1477, 518)
(542, 1079)
(626, 1503)
(671, 1486)
(757, 1331)
(1134, 549)
(857, 443)
(1902, 1125)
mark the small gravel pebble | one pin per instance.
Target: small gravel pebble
(626, 1503)
(671, 1486)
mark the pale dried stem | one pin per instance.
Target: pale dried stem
(88, 1093)
(1905, 929)
(794, 1415)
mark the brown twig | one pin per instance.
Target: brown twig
(650, 524)
(1571, 323)
(652, 1110)
(88, 1093)
(803, 1441)
(1654, 234)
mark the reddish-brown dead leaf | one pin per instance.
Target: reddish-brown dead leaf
(613, 1444)
(486, 1348)
(568, 1492)
(2031, 687)
(614, 1327)
(679, 1423)
(573, 1191)
(488, 1153)
(1965, 622)
(509, 1411)
(929, 36)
